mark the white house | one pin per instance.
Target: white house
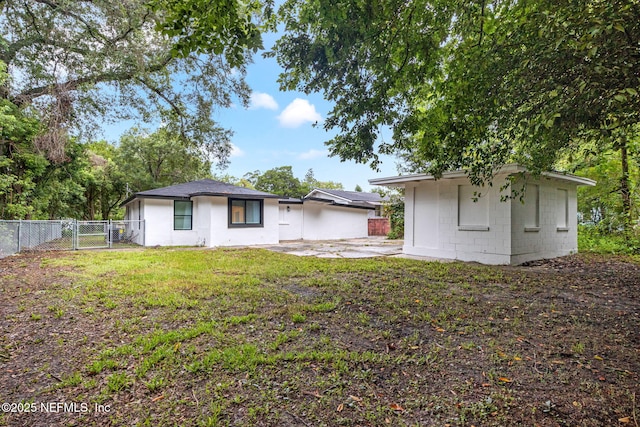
(352, 198)
(323, 219)
(450, 218)
(205, 213)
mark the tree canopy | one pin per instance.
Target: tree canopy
(466, 85)
(281, 181)
(224, 27)
(159, 159)
(77, 64)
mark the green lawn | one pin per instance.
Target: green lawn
(251, 338)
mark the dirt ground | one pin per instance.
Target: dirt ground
(572, 359)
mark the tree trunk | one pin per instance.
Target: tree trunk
(90, 211)
(625, 192)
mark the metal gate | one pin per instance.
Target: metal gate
(92, 234)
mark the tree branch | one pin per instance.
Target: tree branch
(176, 109)
(27, 96)
(481, 23)
(55, 6)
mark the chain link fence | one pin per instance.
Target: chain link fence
(20, 236)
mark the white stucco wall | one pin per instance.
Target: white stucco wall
(290, 221)
(201, 224)
(210, 224)
(223, 235)
(158, 216)
(551, 238)
(439, 222)
(325, 222)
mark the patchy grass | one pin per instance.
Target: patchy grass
(253, 338)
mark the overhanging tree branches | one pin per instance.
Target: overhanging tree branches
(78, 64)
(466, 84)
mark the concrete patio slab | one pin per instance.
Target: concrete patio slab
(348, 248)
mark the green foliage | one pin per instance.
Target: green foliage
(85, 185)
(281, 181)
(159, 159)
(593, 239)
(229, 179)
(129, 60)
(310, 182)
(278, 181)
(31, 186)
(118, 382)
(81, 64)
(94, 178)
(601, 206)
(105, 185)
(465, 85)
(20, 167)
(228, 27)
(394, 210)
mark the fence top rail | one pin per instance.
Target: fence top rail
(55, 221)
(36, 221)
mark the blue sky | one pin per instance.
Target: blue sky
(276, 130)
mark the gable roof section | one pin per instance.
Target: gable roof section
(351, 205)
(348, 196)
(203, 187)
(401, 180)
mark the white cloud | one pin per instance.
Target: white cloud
(313, 154)
(236, 151)
(300, 111)
(262, 100)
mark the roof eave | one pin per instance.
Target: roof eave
(342, 205)
(151, 196)
(318, 190)
(572, 178)
(236, 195)
(401, 180)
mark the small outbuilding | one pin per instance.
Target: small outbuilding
(205, 213)
(450, 218)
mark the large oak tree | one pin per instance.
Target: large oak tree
(77, 64)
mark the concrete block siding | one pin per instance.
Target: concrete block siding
(441, 223)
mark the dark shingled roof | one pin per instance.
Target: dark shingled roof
(203, 187)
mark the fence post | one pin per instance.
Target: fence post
(109, 232)
(19, 232)
(74, 234)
